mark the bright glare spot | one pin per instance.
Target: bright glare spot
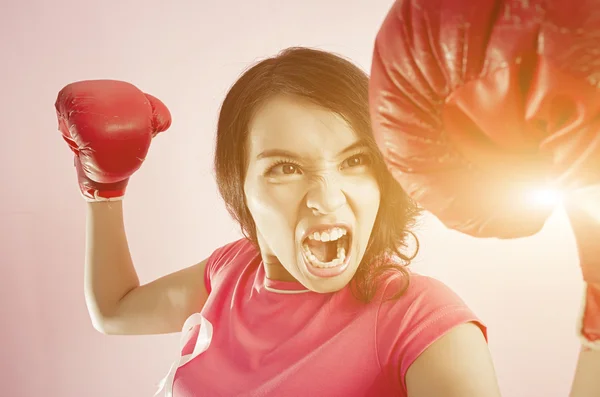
(546, 197)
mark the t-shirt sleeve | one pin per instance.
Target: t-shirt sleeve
(409, 325)
(220, 257)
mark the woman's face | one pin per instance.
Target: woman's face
(312, 193)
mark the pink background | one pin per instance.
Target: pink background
(187, 54)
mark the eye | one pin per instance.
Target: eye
(357, 160)
(284, 168)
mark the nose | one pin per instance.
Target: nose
(325, 196)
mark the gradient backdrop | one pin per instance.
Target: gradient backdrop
(188, 53)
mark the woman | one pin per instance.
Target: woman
(316, 300)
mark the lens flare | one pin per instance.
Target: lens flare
(546, 197)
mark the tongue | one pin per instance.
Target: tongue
(324, 251)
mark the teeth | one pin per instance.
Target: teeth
(329, 235)
(341, 256)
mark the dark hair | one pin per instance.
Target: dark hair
(337, 85)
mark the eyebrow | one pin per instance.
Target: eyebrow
(286, 153)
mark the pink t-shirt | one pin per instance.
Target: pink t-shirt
(309, 344)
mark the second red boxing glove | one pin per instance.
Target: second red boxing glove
(109, 125)
(482, 107)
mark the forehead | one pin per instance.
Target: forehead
(296, 124)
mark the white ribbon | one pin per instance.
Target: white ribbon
(202, 342)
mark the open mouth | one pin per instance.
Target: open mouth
(327, 248)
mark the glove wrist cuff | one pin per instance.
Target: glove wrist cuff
(93, 196)
(588, 321)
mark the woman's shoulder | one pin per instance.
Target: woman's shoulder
(231, 256)
(421, 292)
(408, 325)
(233, 249)
(426, 304)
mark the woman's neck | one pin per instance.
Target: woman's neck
(275, 270)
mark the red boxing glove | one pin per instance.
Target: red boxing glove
(477, 104)
(109, 126)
